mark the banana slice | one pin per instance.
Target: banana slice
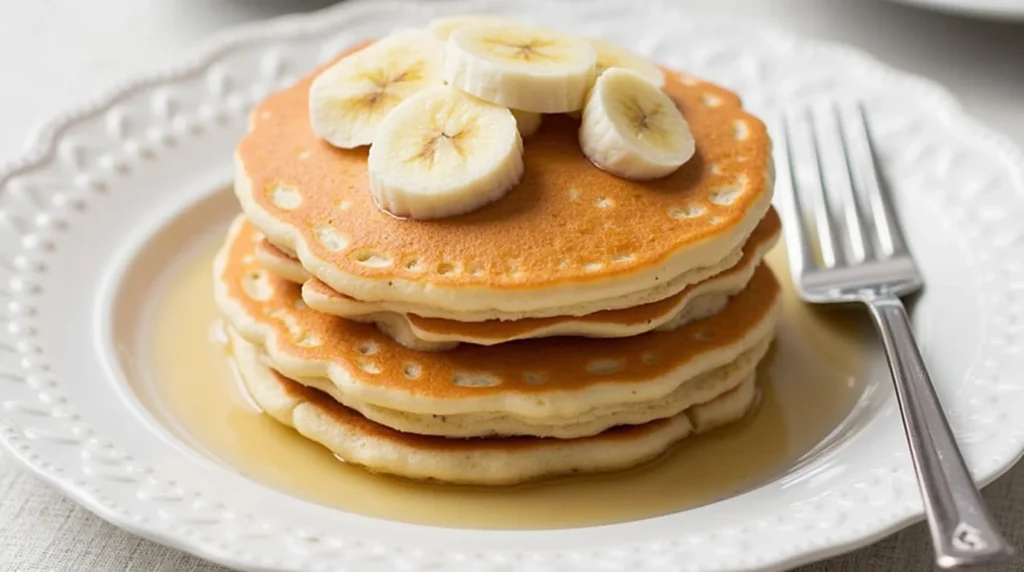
(528, 121)
(442, 153)
(632, 129)
(611, 55)
(443, 27)
(349, 100)
(521, 67)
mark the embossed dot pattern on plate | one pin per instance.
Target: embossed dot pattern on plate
(765, 67)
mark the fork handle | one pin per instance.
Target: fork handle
(963, 532)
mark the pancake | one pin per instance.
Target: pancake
(326, 299)
(432, 334)
(566, 240)
(401, 326)
(531, 379)
(701, 389)
(503, 461)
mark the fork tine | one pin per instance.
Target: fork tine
(798, 240)
(844, 187)
(831, 252)
(863, 158)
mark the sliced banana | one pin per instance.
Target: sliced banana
(349, 100)
(611, 55)
(632, 129)
(441, 153)
(528, 121)
(521, 67)
(443, 27)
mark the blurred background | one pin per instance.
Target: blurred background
(53, 53)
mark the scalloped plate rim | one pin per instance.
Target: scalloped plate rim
(42, 146)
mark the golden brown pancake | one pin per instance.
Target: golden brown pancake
(532, 378)
(497, 461)
(569, 238)
(431, 334)
(695, 391)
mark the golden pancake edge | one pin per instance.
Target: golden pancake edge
(695, 301)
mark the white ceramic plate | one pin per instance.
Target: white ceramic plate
(1006, 10)
(102, 180)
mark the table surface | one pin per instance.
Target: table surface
(77, 48)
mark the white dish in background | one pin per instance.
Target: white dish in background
(104, 179)
(1004, 10)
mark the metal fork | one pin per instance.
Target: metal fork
(845, 245)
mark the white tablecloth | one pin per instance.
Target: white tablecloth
(53, 53)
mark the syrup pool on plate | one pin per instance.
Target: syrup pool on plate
(808, 384)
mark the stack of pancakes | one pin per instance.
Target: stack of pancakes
(582, 323)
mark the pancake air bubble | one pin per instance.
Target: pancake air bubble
(606, 366)
(285, 198)
(686, 211)
(475, 380)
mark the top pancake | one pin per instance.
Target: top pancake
(567, 233)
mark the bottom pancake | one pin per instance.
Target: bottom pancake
(702, 388)
(498, 461)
